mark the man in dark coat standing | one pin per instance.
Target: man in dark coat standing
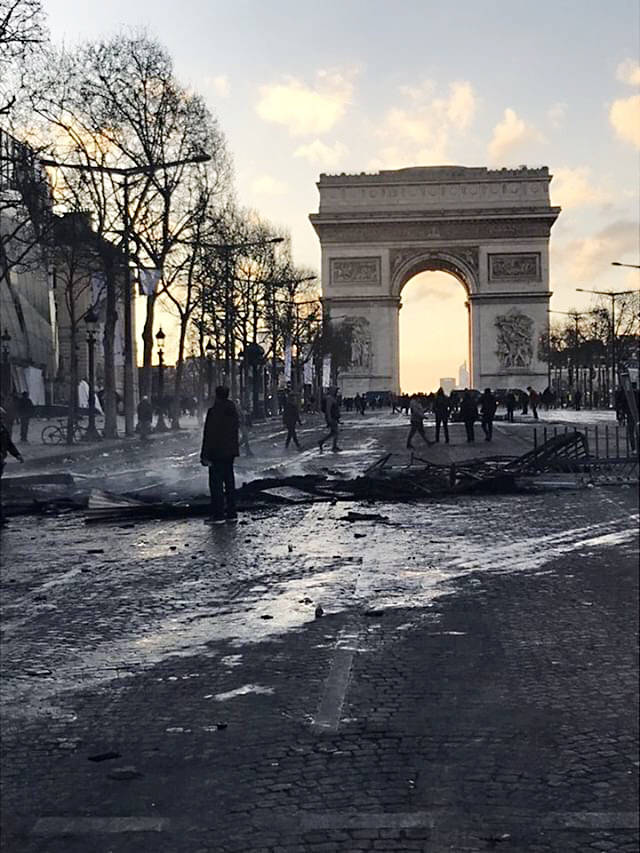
(220, 446)
(25, 413)
(469, 414)
(441, 411)
(291, 419)
(488, 406)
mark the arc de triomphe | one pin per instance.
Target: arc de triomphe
(490, 229)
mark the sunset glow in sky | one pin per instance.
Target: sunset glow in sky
(304, 87)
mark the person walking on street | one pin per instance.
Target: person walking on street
(417, 421)
(25, 413)
(220, 446)
(441, 411)
(510, 403)
(332, 417)
(469, 414)
(291, 419)
(243, 426)
(533, 401)
(488, 405)
(145, 418)
(6, 447)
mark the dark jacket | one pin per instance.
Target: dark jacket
(331, 410)
(468, 409)
(220, 437)
(25, 407)
(290, 415)
(7, 446)
(145, 411)
(441, 405)
(488, 406)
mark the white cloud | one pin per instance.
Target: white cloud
(219, 84)
(268, 185)
(307, 109)
(624, 116)
(583, 260)
(320, 154)
(572, 188)
(510, 137)
(629, 72)
(556, 114)
(420, 133)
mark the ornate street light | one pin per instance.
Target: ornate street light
(161, 425)
(91, 322)
(209, 350)
(5, 380)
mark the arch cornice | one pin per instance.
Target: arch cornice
(461, 261)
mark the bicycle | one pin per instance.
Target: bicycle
(57, 433)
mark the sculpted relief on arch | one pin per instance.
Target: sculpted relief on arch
(514, 340)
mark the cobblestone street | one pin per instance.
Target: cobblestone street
(460, 675)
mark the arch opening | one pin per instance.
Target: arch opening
(434, 332)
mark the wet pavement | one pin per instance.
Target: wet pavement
(470, 684)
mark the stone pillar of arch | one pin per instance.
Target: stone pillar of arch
(489, 229)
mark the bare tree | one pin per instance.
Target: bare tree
(22, 30)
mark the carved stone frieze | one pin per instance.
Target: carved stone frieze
(355, 271)
(514, 266)
(404, 231)
(514, 339)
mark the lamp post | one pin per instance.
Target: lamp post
(161, 425)
(612, 294)
(209, 350)
(6, 367)
(126, 173)
(91, 321)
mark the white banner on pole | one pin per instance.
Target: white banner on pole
(326, 371)
(287, 361)
(148, 279)
(308, 372)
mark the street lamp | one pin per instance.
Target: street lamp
(126, 173)
(91, 322)
(6, 367)
(209, 350)
(161, 425)
(612, 294)
(631, 266)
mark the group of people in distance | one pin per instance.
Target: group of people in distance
(471, 410)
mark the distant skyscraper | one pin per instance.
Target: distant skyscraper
(448, 384)
(463, 376)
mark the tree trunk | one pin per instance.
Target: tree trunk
(177, 388)
(147, 357)
(110, 401)
(72, 414)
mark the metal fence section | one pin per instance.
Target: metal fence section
(608, 454)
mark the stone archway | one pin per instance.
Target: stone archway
(490, 229)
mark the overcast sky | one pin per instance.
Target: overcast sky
(358, 85)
